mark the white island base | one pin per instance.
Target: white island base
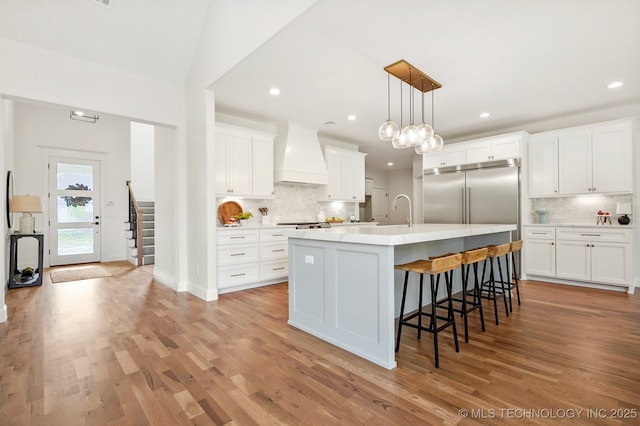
(343, 287)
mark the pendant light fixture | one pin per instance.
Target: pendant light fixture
(422, 136)
(389, 130)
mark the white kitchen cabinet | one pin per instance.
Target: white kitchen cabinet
(346, 174)
(540, 251)
(449, 155)
(595, 159)
(543, 166)
(262, 167)
(248, 258)
(490, 149)
(244, 162)
(595, 255)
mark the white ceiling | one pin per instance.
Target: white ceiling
(525, 61)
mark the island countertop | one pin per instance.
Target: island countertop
(395, 235)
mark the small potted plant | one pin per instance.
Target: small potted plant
(243, 217)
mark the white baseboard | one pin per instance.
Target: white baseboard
(165, 280)
(3, 314)
(205, 294)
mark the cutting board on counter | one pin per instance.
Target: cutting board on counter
(227, 210)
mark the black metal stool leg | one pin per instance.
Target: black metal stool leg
(504, 296)
(420, 307)
(434, 323)
(404, 297)
(465, 280)
(515, 275)
(476, 293)
(492, 289)
(450, 316)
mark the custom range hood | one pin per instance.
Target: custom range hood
(298, 156)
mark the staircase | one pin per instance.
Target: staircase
(140, 232)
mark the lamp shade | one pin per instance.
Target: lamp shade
(623, 208)
(26, 204)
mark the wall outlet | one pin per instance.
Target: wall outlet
(309, 259)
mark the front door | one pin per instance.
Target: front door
(74, 211)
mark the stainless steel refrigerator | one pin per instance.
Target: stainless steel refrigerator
(478, 193)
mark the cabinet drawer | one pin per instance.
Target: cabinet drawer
(274, 250)
(274, 269)
(231, 276)
(540, 232)
(272, 235)
(237, 253)
(237, 236)
(616, 235)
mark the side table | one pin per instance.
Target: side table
(16, 280)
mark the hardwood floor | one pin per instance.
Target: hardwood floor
(124, 350)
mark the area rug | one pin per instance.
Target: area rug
(77, 274)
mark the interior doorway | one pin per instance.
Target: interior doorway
(379, 205)
(74, 211)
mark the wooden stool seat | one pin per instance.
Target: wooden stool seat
(474, 255)
(434, 267)
(500, 250)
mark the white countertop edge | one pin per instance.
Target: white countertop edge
(260, 226)
(581, 225)
(393, 235)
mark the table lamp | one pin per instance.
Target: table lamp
(26, 204)
(624, 209)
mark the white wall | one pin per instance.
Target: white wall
(167, 254)
(142, 164)
(6, 148)
(399, 182)
(42, 131)
(222, 45)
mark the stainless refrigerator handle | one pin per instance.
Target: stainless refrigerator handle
(461, 209)
(468, 204)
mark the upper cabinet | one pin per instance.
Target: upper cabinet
(495, 148)
(592, 159)
(244, 162)
(543, 166)
(595, 160)
(346, 174)
(449, 155)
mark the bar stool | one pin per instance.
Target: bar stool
(515, 247)
(488, 289)
(434, 267)
(470, 258)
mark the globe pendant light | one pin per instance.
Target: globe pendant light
(401, 141)
(435, 142)
(389, 130)
(425, 131)
(410, 133)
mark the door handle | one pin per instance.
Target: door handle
(468, 205)
(96, 223)
(461, 212)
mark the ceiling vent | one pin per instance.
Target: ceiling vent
(105, 3)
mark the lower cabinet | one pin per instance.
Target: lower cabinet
(590, 255)
(540, 252)
(250, 258)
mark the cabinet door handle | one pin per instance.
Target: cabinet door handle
(277, 235)
(238, 275)
(539, 233)
(553, 244)
(238, 254)
(278, 269)
(277, 250)
(590, 235)
(237, 237)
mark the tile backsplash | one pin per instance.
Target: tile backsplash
(578, 209)
(294, 202)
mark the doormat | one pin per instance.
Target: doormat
(77, 274)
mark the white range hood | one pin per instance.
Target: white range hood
(298, 156)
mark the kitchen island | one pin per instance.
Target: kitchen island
(343, 287)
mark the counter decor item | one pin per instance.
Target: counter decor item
(542, 215)
(243, 218)
(266, 219)
(227, 211)
(624, 209)
(603, 218)
(335, 219)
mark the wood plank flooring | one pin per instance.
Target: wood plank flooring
(124, 350)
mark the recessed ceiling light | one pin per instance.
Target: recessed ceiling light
(614, 84)
(274, 91)
(351, 117)
(389, 164)
(78, 113)
(485, 115)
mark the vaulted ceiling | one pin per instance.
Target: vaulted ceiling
(532, 64)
